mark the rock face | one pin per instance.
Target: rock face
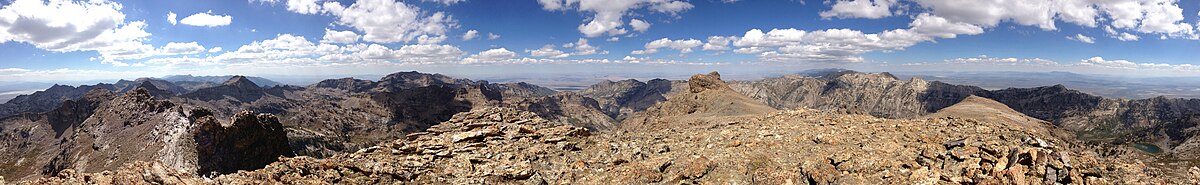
(29, 140)
(567, 107)
(1156, 120)
(509, 146)
(102, 131)
(249, 142)
(876, 94)
(707, 96)
(623, 98)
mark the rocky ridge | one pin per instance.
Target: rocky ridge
(800, 146)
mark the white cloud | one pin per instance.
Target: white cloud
(1100, 62)
(66, 26)
(171, 18)
(1082, 38)
(870, 9)
(684, 46)
(287, 51)
(548, 51)
(426, 39)
(719, 42)
(471, 34)
(606, 16)
(215, 49)
(178, 48)
(639, 25)
(387, 21)
(582, 47)
(613, 39)
(832, 45)
(984, 59)
(1163, 17)
(940, 27)
(445, 2)
(298, 6)
(339, 37)
(490, 56)
(1127, 37)
(207, 19)
(493, 36)
(1122, 36)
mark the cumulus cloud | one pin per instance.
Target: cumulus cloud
(66, 26)
(1163, 17)
(471, 34)
(639, 25)
(298, 6)
(387, 21)
(445, 2)
(1122, 36)
(606, 16)
(1082, 38)
(493, 36)
(171, 18)
(1100, 62)
(684, 46)
(870, 9)
(215, 49)
(719, 42)
(548, 51)
(288, 50)
(491, 56)
(206, 19)
(339, 37)
(582, 47)
(940, 27)
(178, 48)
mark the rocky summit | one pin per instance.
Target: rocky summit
(707, 134)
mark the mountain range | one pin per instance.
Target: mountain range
(172, 123)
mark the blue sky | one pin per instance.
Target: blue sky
(58, 40)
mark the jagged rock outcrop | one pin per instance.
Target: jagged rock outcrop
(707, 96)
(102, 131)
(250, 141)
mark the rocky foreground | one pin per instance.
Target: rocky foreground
(702, 143)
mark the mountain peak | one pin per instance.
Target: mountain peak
(241, 82)
(237, 79)
(701, 82)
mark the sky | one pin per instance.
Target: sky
(60, 40)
